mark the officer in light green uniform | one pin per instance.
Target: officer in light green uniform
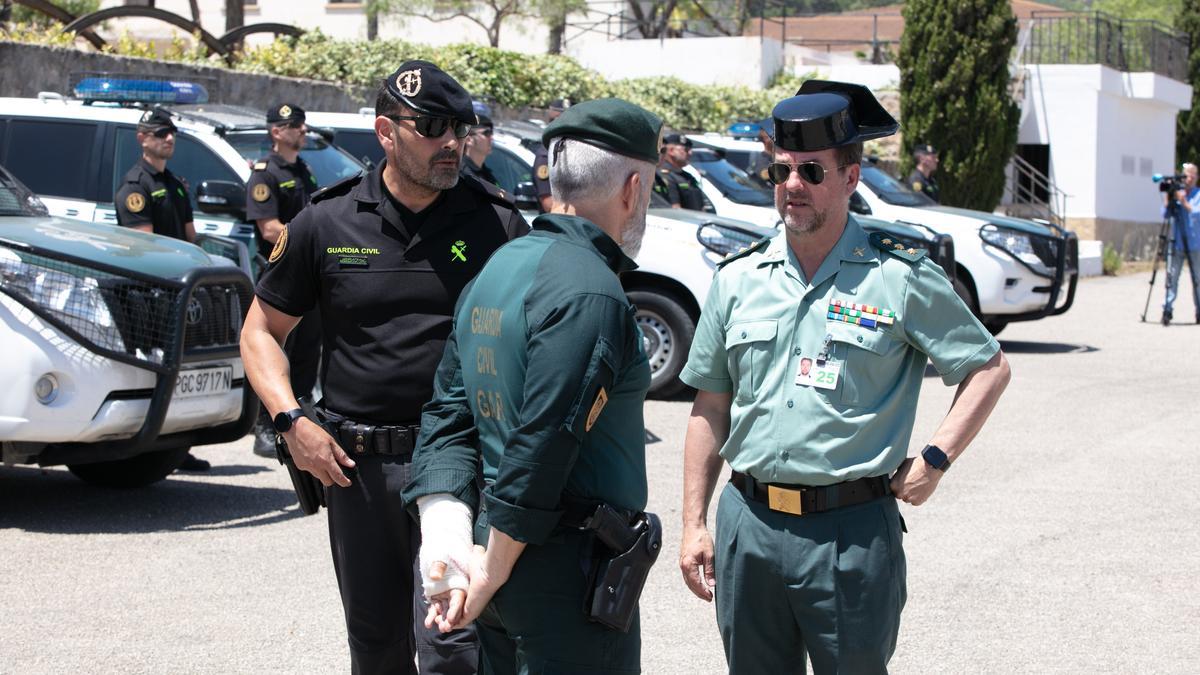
(543, 382)
(809, 358)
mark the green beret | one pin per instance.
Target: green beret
(610, 123)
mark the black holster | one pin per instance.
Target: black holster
(309, 491)
(619, 575)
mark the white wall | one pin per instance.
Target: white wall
(749, 61)
(1108, 131)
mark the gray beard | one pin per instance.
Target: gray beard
(806, 225)
(428, 177)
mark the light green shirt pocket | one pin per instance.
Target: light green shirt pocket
(750, 350)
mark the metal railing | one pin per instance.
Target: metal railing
(1032, 194)
(1128, 45)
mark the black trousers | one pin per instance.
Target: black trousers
(375, 544)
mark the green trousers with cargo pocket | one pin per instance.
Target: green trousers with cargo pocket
(829, 584)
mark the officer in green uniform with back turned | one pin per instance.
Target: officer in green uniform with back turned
(543, 381)
(808, 554)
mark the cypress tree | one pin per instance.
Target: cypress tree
(954, 94)
(1187, 132)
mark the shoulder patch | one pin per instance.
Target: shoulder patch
(884, 242)
(135, 202)
(756, 247)
(917, 186)
(280, 245)
(260, 165)
(337, 189)
(260, 192)
(543, 172)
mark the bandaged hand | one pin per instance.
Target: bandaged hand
(446, 544)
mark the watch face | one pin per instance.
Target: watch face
(283, 422)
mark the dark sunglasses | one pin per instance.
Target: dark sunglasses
(483, 132)
(292, 125)
(810, 172)
(163, 132)
(434, 127)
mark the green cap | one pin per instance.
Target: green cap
(610, 123)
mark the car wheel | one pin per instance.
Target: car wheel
(994, 326)
(133, 472)
(964, 292)
(667, 331)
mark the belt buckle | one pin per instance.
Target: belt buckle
(787, 501)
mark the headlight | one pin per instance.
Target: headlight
(724, 240)
(74, 300)
(1017, 244)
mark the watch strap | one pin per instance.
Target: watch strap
(292, 415)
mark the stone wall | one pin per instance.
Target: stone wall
(1133, 240)
(26, 70)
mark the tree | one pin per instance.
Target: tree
(76, 8)
(954, 94)
(1187, 132)
(490, 15)
(235, 14)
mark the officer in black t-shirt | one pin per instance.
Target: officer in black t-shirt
(279, 187)
(385, 256)
(541, 163)
(921, 179)
(152, 199)
(672, 182)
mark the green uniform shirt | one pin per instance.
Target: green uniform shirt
(545, 377)
(762, 318)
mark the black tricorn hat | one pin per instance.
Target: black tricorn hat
(826, 114)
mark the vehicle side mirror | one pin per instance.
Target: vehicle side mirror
(221, 197)
(366, 161)
(525, 196)
(859, 205)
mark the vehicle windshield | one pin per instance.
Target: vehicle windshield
(891, 190)
(734, 183)
(328, 163)
(17, 200)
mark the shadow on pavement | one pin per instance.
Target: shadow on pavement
(227, 470)
(52, 500)
(1026, 347)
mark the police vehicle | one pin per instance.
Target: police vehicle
(1007, 269)
(120, 347)
(73, 152)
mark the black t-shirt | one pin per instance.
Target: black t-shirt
(285, 190)
(156, 198)
(386, 286)
(681, 189)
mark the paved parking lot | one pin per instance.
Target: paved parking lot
(1065, 541)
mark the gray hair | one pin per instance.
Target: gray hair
(583, 173)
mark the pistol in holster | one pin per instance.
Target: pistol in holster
(619, 576)
(309, 491)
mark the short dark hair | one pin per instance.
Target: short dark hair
(849, 154)
(385, 103)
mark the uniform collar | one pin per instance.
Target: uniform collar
(848, 248)
(583, 232)
(149, 168)
(278, 159)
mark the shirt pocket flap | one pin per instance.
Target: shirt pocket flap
(877, 340)
(745, 332)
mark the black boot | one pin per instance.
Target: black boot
(264, 437)
(1166, 318)
(194, 463)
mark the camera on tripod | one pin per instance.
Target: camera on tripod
(1169, 184)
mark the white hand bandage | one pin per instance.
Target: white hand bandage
(446, 537)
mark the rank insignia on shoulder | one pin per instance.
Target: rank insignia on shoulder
(259, 166)
(897, 249)
(756, 247)
(260, 192)
(280, 245)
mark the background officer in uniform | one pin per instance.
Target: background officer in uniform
(384, 255)
(758, 166)
(808, 553)
(279, 187)
(679, 187)
(152, 199)
(478, 145)
(544, 380)
(541, 166)
(921, 179)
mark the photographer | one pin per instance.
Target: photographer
(1183, 208)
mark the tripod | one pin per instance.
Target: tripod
(1161, 254)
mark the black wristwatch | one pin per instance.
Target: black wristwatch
(283, 421)
(936, 458)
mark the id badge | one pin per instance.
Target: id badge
(821, 376)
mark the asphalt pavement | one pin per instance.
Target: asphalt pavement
(1064, 541)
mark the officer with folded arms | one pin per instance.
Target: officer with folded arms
(808, 359)
(543, 383)
(279, 187)
(384, 255)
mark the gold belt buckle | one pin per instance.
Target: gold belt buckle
(787, 501)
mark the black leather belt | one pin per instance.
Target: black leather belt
(801, 499)
(360, 439)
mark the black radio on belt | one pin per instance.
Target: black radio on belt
(618, 578)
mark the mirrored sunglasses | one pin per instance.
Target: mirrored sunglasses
(433, 127)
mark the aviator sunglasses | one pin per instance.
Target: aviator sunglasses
(810, 172)
(434, 127)
(162, 132)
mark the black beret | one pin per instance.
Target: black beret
(484, 122)
(427, 89)
(155, 118)
(826, 114)
(285, 112)
(610, 123)
(677, 139)
(924, 149)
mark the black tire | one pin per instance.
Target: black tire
(668, 330)
(134, 472)
(994, 325)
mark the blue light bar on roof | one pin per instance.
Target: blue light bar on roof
(139, 91)
(744, 129)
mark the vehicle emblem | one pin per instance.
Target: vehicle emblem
(195, 312)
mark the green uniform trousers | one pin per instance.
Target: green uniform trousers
(535, 624)
(831, 584)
